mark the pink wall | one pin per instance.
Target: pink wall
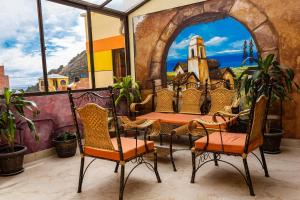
(55, 116)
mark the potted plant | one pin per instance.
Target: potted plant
(128, 90)
(65, 145)
(269, 73)
(12, 112)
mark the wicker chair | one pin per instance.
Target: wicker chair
(237, 144)
(221, 99)
(164, 101)
(97, 142)
(191, 101)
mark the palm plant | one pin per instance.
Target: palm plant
(129, 90)
(269, 73)
(12, 111)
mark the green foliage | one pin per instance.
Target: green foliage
(129, 90)
(66, 136)
(268, 72)
(12, 110)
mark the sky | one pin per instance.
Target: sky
(222, 37)
(20, 43)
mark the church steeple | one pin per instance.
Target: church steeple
(197, 62)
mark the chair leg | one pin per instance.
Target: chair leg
(122, 186)
(80, 175)
(215, 159)
(155, 167)
(190, 141)
(264, 161)
(249, 182)
(194, 166)
(117, 167)
(171, 153)
(160, 139)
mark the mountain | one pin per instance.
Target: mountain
(77, 67)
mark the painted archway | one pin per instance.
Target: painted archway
(243, 11)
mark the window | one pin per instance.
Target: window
(66, 47)
(20, 51)
(65, 40)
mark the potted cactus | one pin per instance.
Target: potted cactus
(12, 112)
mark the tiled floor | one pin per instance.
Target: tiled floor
(56, 179)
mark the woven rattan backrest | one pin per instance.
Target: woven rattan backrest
(95, 124)
(191, 101)
(220, 98)
(164, 100)
(258, 119)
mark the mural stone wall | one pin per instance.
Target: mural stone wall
(273, 30)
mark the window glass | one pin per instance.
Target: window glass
(20, 52)
(65, 40)
(123, 5)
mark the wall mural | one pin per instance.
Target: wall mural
(214, 51)
(201, 41)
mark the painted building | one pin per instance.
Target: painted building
(197, 61)
(4, 79)
(56, 82)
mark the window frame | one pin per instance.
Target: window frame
(88, 9)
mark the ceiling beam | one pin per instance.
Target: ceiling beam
(85, 5)
(105, 3)
(137, 7)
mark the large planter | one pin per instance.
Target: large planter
(11, 163)
(65, 148)
(272, 141)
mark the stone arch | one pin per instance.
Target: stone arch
(255, 20)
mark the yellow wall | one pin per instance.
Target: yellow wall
(103, 78)
(105, 26)
(106, 37)
(150, 7)
(102, 60)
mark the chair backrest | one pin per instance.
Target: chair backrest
(220, 98)
(164, 100)
(258, 120)
(95, 125)
(191, 101)
(92, 108)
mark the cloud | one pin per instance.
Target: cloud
(237, 44)
(179, 49)
(229, 51)
(215, 41)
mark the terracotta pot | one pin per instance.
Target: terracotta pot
(11, 163)
(66, 148)
(272, 141)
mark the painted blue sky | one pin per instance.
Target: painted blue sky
(224, 37)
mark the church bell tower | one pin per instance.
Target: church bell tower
(197, 61)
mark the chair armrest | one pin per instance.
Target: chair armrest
(228, 114)
(152, 126)
(181, 130)
(134, 106)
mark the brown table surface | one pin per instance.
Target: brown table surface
(180, 119)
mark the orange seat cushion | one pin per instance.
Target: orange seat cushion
(232, 142)
(180, 119)
(130, 149)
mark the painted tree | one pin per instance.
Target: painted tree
(251, 57)
(245, 54)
